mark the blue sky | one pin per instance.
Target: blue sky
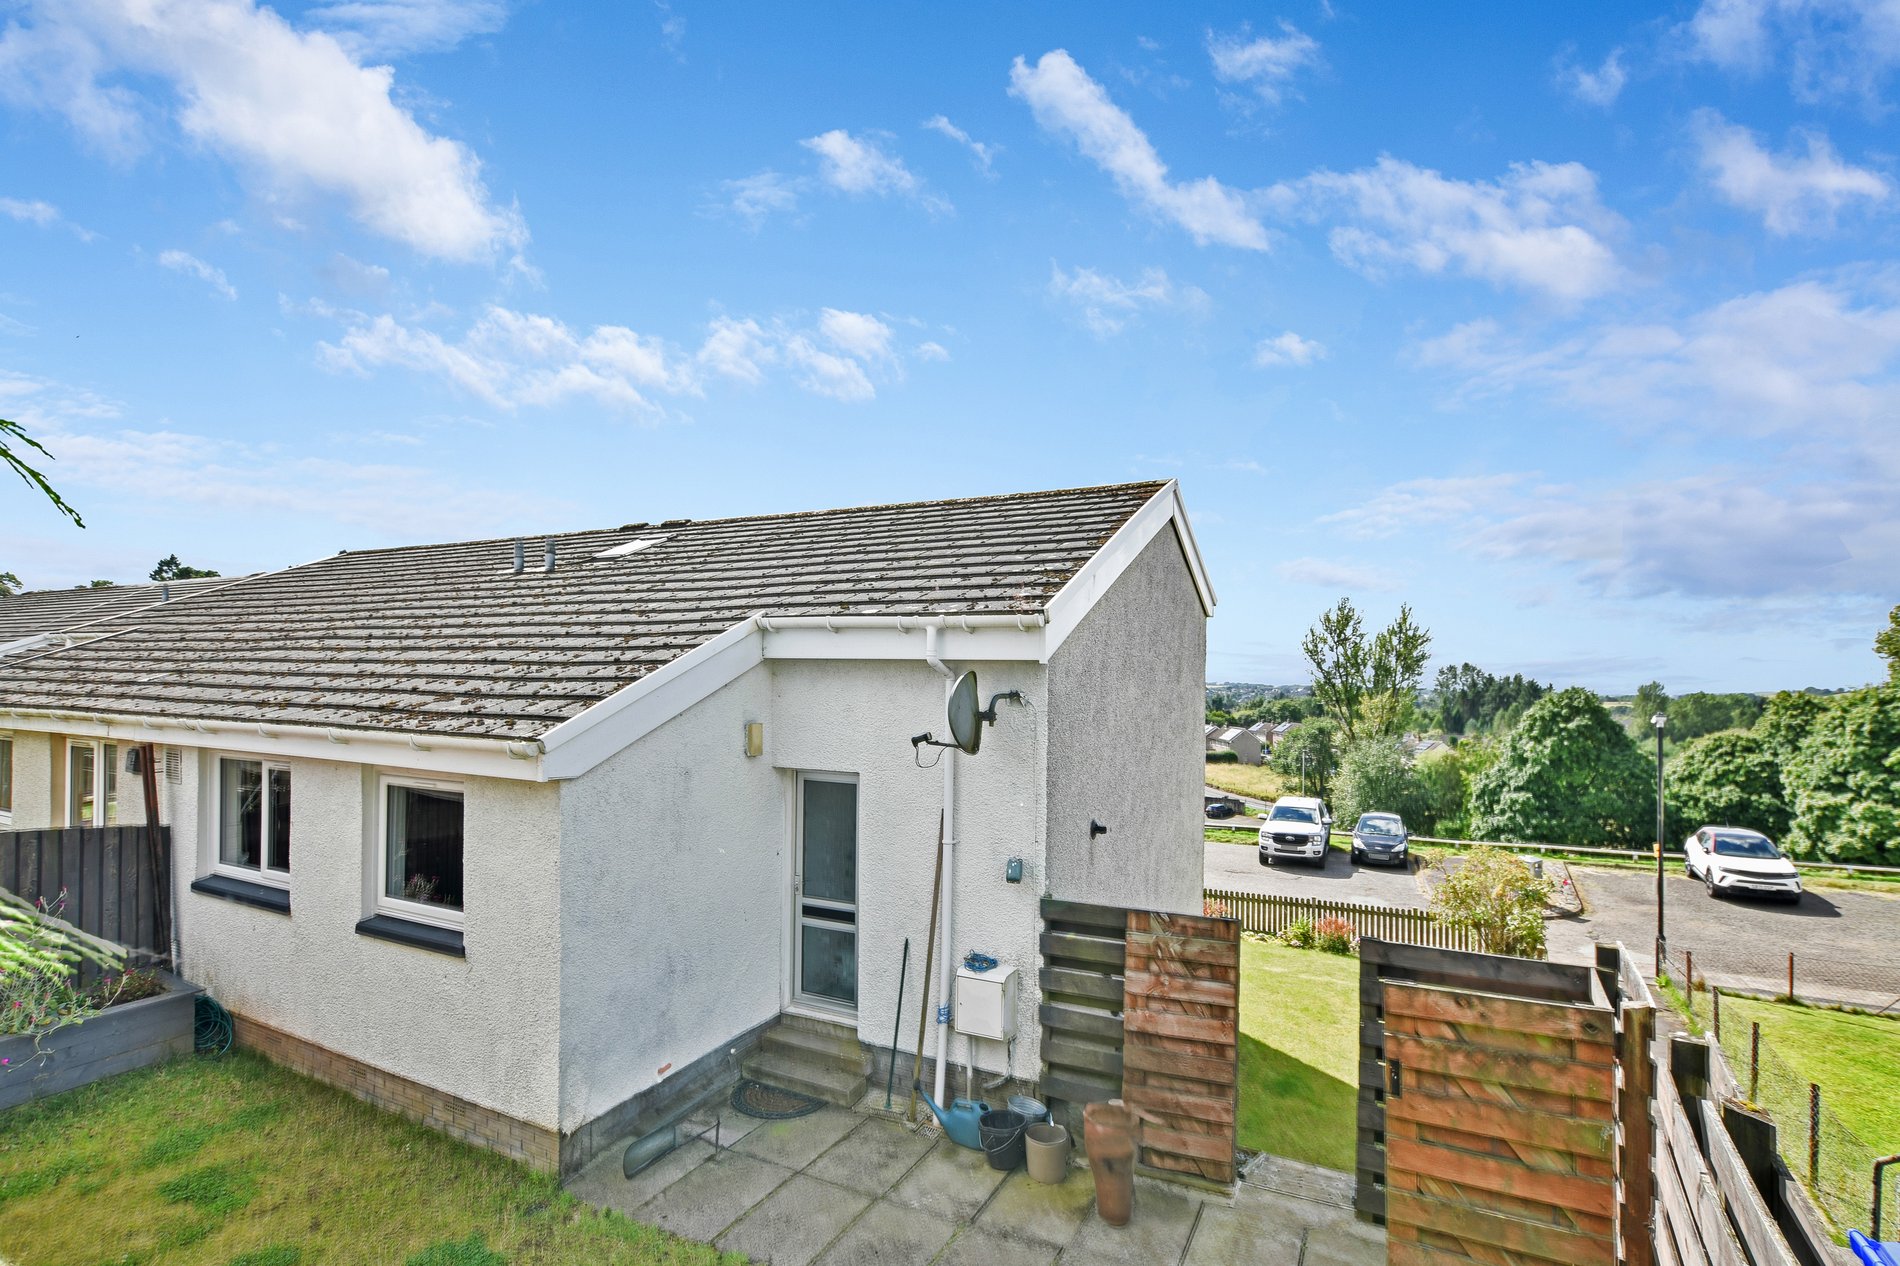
(1576, 327)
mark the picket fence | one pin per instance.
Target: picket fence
(1262, 912)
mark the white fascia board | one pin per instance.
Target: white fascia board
(1163, 510)
(488, 758)
(887, 643)
(579, 743)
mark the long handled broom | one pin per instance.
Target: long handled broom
(930, 955)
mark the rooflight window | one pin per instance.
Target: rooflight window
(630, 547)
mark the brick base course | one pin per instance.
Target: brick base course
(532, 1145)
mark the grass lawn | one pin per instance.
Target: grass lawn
(1854, 1058)
(1299, 1049)
(235, 1162)
(1257, 781)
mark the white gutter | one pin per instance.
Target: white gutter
(515, 749)
(944, 970)
(930, 624)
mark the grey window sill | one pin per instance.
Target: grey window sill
(419, 935)
(263, 896)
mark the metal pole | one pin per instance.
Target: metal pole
(1658, 721)
(890, 1078)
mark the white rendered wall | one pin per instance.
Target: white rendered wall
(1126, 743)
(32, 781)
(485, 1027)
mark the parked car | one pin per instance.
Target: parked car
(1731, 859)
(1219, 809)
(1295, 828)
(1381, 837)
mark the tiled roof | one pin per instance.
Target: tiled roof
(446, 639)
(53, 610)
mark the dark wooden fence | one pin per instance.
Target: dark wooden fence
(1272, 914)
(105, 875)
(1084, 953)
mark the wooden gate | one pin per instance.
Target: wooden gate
(105, 873)
(1181, 1023)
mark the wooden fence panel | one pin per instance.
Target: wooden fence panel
(1181, 1022)
(1272, 914)
(105, 874)
(1083, 951)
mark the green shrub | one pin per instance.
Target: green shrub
(1223, 757)
(1492, 893)
(1298, 934)
(1333, 935)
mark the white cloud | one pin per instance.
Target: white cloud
(181, 262)
(294, 110)
(1287, 349)
(397, 28)
(1107, 304)
(1326, 573)
(757, 197)
(1416, 503)
(978, 150)
(1793, 193)
(511, 360)
(1265, 64)
(932, 351)
(1832, 48)
(1539, 227)
(355, 278)
(1067, 103)
(33, 212)
(858, 165)
(1599, 87)
(672, 30)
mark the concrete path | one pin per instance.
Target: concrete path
(840, 1188)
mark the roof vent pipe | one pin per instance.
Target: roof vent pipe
(165, 593)
(521, 556)
(547, 560)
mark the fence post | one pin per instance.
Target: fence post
(1814, 1136)
(1754, 1062)
(1790, 975)
(1688, 979)
(1715, 1009)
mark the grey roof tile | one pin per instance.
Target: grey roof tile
(447, 639)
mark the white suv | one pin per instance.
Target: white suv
(1730, 859)
(1296, 827)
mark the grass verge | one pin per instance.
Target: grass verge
(1853, 1057)
(1257, 781)
(1299, 1020)
(236, 1162)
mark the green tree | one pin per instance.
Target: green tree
(169, 568)
(1785, 721)
(1844, 781)
(1730, 778)
(1441, 791)
(1492, 892)
(1887, 646)
(9, 584)
(1315, 740)
(1693, 715)
(1467, 699)
(1367, 687)
(14, 432)
(1650, 699)
(1375, 777)
(1566, 775)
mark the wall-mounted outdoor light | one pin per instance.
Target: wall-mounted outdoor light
(755, 738)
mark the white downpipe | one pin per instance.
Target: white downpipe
(944, 969)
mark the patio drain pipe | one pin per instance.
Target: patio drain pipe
(944, 969)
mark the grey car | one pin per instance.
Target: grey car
(1380, 837)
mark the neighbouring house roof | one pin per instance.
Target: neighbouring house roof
(62, 610)
(447, 639)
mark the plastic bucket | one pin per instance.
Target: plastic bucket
(1032, 1109)
(1001, 1133)
(1047, 1147)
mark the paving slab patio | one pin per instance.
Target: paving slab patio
(839, 1188)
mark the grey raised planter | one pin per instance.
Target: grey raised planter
(117, 1040)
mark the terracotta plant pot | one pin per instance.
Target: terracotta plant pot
(1048, 1150)
(1108, 1129)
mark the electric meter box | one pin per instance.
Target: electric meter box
(986, 1003)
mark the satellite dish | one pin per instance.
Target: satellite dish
(966, 715)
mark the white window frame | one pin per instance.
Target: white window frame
(98, 748)
(9, 761)
(396, 907)
(263, 872)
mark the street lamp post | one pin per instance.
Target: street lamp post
(1659, 721)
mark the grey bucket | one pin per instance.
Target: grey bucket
(1031, 1109)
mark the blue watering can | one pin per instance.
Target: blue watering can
(1871, 1252)
(960, 1120)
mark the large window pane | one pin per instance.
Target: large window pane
(831, 840)
(109, 781)
(280, 819)
(424, 848)
(79, 785)
(240, 812)
(828, 963)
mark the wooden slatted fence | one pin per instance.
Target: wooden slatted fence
(1181, 1017)
(1084, 948)
(1272, 914)
(104, 872)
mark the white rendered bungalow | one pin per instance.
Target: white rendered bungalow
(526, 839)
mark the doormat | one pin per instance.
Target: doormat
(770, 1103)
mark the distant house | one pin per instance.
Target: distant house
(1280, 732)
(1244, 744)
(576, 822)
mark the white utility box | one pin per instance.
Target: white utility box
(986, 1003)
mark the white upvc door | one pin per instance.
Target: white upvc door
(825, 892)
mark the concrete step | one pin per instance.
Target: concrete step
(844, 1029)
(827, 1081)
(840, 1047)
